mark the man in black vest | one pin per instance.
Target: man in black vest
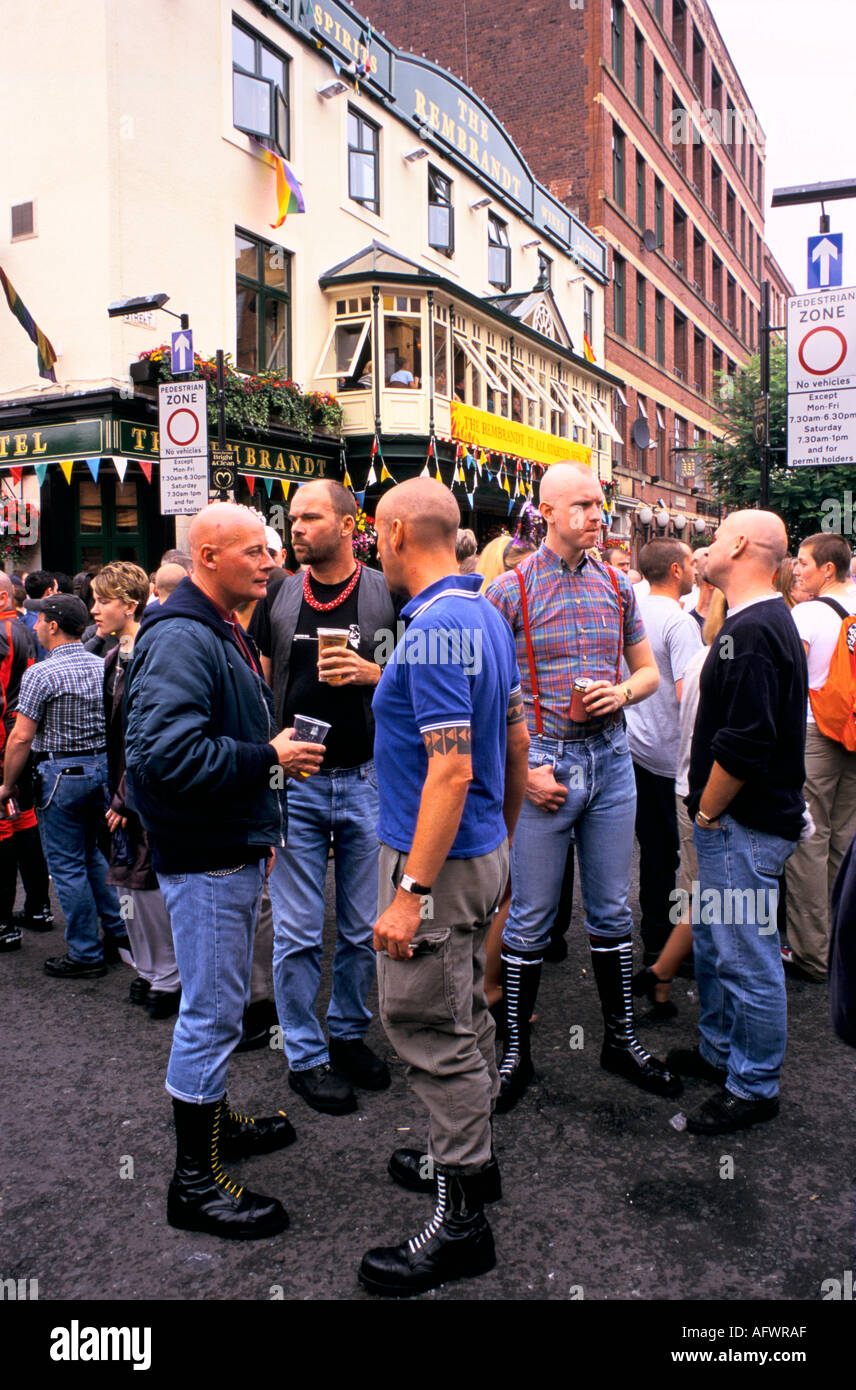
(335, 592)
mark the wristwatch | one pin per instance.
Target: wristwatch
(628, 693)
(708, 820)
(411, 886)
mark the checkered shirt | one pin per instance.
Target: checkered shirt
(573, 619)
(64, 695)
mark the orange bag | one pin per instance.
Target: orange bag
(834, 704)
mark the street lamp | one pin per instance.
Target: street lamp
(140, 304)
(679, 522)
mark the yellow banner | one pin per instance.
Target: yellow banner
(489, 431)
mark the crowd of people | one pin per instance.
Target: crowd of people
(184, 753)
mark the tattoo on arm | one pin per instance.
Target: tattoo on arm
(451, 740)
(516, 712)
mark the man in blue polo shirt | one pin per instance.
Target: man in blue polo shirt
(451, 753)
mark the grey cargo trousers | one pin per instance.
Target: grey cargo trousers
(433, 1005)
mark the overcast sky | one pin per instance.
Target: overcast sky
(797, 62)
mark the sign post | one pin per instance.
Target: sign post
(183, 447)
(822, 379)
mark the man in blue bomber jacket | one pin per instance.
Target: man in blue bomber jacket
(204, 767)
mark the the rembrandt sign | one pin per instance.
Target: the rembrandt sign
(141, 441)
(492, 432)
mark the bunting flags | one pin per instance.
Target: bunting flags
(385, 475)
(588, 349)
(147, 469)
(268, 482)
(94, 465)
(288, 195)
(286, 488)
(44, 348)
(361, 497)
(41, 471)
(121, 467)
(347, 481)
(251, 484)
(17, 474)
(66, 465)
(371, 480)
(471, 498)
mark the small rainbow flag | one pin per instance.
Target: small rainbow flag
(588, 349)
(47, 356)
(288, 195)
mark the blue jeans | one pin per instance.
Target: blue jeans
(213, 925)
(343, 802)
(599, 812)
(738, 963)
(70, 810)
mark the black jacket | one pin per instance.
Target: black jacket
(199, 719)
(842, 949)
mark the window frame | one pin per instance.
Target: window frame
(364, 122)
(263, 293)
(619, 172)
(278, 137)
(641, 313)
(435, 176)
(619, 306)
(502, 243)
(617, 31)
(343, 323)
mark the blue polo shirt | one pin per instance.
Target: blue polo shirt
(454, 666)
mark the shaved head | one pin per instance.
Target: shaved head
(7, 589)
(427, 511)
(220, 524)
(560, 477)
(168, 578)
(762, 530)
(230, 560)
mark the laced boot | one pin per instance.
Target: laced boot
(457, 1243)
(622, 1053)
(414, 1170)
(521, 975)
(204, 1198)
(244, 1136)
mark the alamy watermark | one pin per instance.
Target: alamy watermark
(716, 127)
(431, 647)
(729, 907)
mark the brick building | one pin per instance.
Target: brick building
(635, 116)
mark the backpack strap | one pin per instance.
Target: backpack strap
(835, 605)
(524, 603)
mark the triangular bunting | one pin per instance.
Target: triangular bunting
(385, 475)
(347, 480)
(372, 478)
(250, 479)
(121, 467)
(146, 466)
(41, 470)
(66, 465)
(361, 497)
(17, 473)
(268, 482)
(426, 472)
(510, 505)
(471, 498)
(286, 488)
(94, 465)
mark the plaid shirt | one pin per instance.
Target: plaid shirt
(64, 695)
(573, 619)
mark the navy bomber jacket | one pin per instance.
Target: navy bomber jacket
(199, 721)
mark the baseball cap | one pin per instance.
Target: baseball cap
(273, 540)
(66, 610)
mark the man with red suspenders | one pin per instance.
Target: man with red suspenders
(20, 846)
(573, 618)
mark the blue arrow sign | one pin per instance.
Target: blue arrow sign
(181, 349)
(825, 261)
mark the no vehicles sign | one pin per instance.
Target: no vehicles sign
(822, 379)
(183, 441)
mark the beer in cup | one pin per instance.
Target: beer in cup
(331, 637)
(308, 730)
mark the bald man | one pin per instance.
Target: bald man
(167, 580)
(583, 617)
(451, 760)
(205, 766)
(746, 775)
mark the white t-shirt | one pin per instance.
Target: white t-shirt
(820, 626)
(653, 727)
(689, 710)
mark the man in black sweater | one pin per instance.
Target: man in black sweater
(746, 777)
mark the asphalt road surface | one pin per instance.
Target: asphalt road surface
(604, 1198)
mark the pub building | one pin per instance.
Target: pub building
(452, 305)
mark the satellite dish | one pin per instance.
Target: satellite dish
(649, 239)
(640, 434)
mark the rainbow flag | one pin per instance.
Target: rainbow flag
(47, 356)
(288, 195)
(588, 349)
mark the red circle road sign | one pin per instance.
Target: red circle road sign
(182, 434)
(826, 352)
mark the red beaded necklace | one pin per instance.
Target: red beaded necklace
(334, 603)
